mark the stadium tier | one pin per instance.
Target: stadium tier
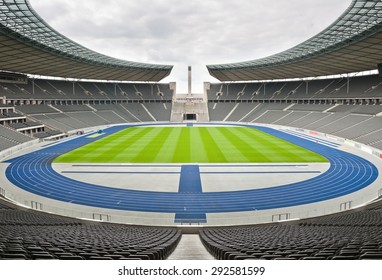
(63, 106)
(27, 234)
(34, 235)
(10, 138)
(358, 87)
(350, 236)
(40, 89)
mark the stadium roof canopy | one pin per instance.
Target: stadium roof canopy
(29, 45)
(353, 43)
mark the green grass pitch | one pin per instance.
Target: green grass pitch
(189, 145)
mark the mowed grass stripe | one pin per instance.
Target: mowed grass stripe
(190, 145)
(197, 147)
(149, 152)
(131, 145)
(260, 145)
(213, 150)
(252, 150)
(232, 151)
(167, 149)
(182, 150)
(103, 150)
(285, 151)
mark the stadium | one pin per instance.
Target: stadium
(100, 160)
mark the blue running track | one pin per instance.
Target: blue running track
(347, 173)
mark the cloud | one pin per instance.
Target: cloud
(193, 32)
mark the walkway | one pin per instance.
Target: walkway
(190, 248)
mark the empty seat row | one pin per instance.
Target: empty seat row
(354, 235)
(35, 235)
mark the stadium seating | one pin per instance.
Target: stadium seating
(67, 106)
(218, 111)
(41, 89)
(349, 108)
(354, 235)
(10, 138)
(319, 89)
(27, 234)
(47, 133)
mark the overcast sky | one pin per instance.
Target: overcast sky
(190, 32)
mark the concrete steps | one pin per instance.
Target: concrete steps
(190, 248)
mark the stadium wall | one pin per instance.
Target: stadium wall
(17, 149)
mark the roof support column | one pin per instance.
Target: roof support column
(348, 85)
